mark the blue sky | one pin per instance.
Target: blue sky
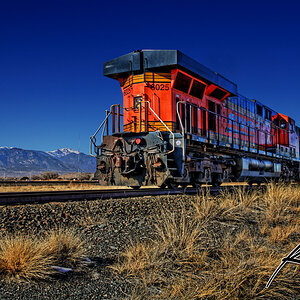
(52, 90)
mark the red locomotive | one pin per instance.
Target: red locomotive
(185, 124)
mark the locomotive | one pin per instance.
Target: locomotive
(183, 124)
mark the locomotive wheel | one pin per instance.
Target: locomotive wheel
(135, 187)
(172, 185)
(216, 183)
(250, 183)
(163, 186)
(207, 175)
(197, 186)
(216, 180)
(183, 185)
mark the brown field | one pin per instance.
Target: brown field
(177, 247)
(71, 187)
(221, 248)
(68, 187)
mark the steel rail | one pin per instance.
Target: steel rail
(61, 196)
(64, 196)
(45, 182)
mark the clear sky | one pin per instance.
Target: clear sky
(52, 90)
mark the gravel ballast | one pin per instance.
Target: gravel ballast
(108, 228)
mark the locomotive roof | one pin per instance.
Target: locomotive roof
(142, 60)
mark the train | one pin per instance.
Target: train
(183, 124)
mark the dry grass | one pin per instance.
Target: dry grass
(219, 248)
(27, 258)
(54, 187)
(281, 203)
(62, 187)
(23, 257)
(66, 246)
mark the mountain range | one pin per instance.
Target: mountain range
(20, 162)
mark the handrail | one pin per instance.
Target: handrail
(93, 137)
(227, 118)
(274, 130)
(173, 137)
(272, 133)
(181, 125)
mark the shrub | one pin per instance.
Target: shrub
(49, 175)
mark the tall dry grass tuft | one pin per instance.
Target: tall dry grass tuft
(280, 211)
(225, 247)
(279, 201)
(28, 258)
(143, 261)
(23, 257)
(65, 245)
(176, 244)
(178, 233)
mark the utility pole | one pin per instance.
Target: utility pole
(78, 154)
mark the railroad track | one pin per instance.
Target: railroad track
(63, 196)
(45, 182)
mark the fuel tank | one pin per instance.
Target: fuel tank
(249, 168)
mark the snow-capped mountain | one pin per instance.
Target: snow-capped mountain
(20, 161)
(75, 160)
(62, 152)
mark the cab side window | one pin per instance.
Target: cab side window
(282, 124)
